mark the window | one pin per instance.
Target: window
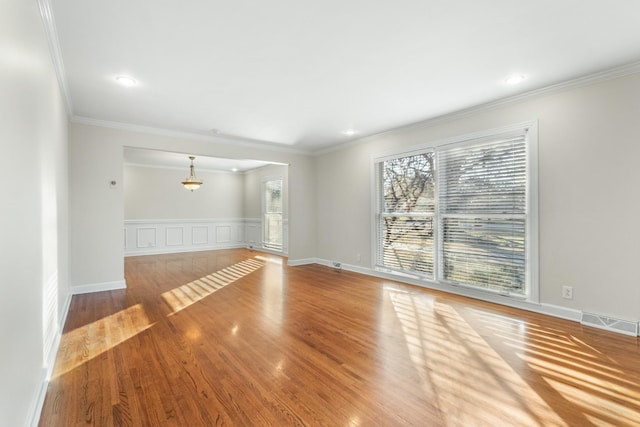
(408, 206)
(462, 212)
(272, 214)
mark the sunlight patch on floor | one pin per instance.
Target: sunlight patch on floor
(89, 341)
(457, 367)
(85, 343)
(601, 400)
(578, 372)
(183, 296)
(272, 260)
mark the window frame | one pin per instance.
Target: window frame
(530, 130)
(379, 211)
(263, 184)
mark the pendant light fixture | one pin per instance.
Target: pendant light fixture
(192, 183)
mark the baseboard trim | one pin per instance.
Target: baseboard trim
(265, 250)
(170, 250)
(50, 364)
(56, 343)
(540, 308)
(302, 261)
(98, 287)
(37, 403)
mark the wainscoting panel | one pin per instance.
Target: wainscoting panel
(145, 237)
(175, 236)
(253, 231)
(240, 233)
(223, 234)
(200, 234)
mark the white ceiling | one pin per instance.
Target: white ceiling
(142, 157)
(298, 72)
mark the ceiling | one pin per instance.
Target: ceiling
(297, 73)
(143, 157)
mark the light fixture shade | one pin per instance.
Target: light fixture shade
(192, 183)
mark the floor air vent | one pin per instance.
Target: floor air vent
(610, 324)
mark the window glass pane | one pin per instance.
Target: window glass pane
(272, 218)
(482, 195)
(406, 224)
(488, 178)
(489, 253)
(273, 229)
(408, 184)
(408, 244)
(273, 196)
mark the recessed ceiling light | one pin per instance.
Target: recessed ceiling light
(126, 81)
(514, 79)
(349, 132)
(234, 169)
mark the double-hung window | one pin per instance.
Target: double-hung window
(272, 206)
(462, 212)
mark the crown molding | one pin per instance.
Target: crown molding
(176, 168)
(218, 138)
(582, 81)
(200, 168)
(48, 20)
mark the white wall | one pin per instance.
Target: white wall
(162, 217)
(97, 211)
(33, 262)
(96, 214)
(588, 203)
(157, 193)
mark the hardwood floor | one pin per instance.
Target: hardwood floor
(238, 338)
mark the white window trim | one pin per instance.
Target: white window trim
(532, 248)
(263, 182)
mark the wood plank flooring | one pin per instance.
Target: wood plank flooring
(237, 338)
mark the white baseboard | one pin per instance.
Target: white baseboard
(170, 250)
(38, 402)
(56, 343)
(302, 261)
(546, 309)
(98, 287)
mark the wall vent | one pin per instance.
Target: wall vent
(610, 324)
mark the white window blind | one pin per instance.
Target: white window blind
(406, 220)
(460, 213)
(482, 207)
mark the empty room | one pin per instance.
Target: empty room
(320, 213)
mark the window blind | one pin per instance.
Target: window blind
(406, 219)
(482, 211)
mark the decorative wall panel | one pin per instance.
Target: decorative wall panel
(145, 237)
(200, 234)
(175, 236)
(223, 234)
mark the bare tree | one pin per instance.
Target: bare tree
(408, 189)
